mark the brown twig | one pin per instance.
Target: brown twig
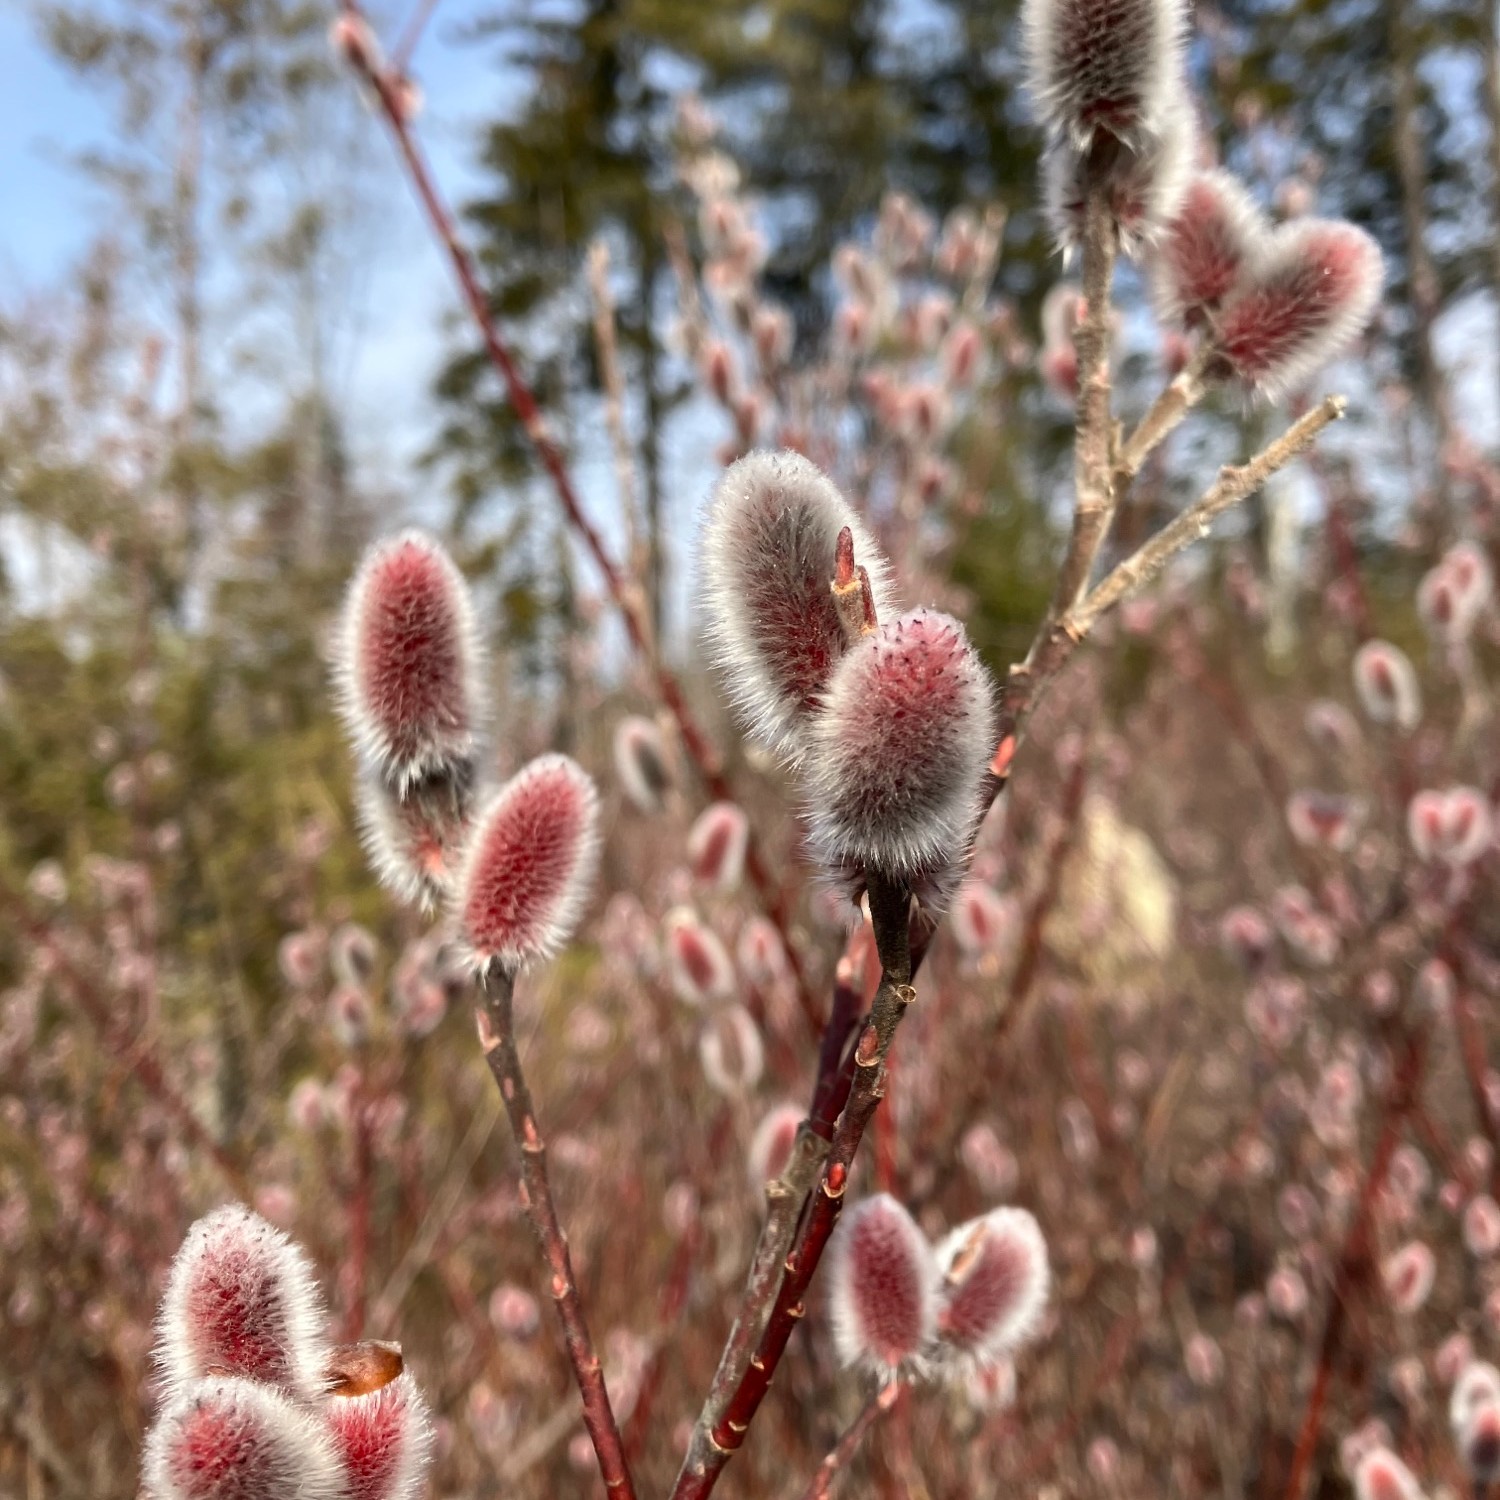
(883, 1401)
(1027, 682)
(1235, 483)
(890, 916)
(785, 1197)
(1163, 417)
(1093, 506)
(1355, 1256)
(497, 1038)
(606, 341)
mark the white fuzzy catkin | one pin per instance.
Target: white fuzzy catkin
(413, 842)
(407, 663)
(766, 567)
(529, 866)
(899, 752)
(241, 1300)
(384, 1439)
(882, 1286)
(231, 1439)
(1103, 65)
(994, 1287)
(1215, 235)
(1308, 295)
(1143, 187)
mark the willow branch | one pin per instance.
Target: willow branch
(607, 342)
(1094, 502)
(1027, 682)
(890, 916)
(497, 1038)
(786, 1196)
(1234, 484)
(883, 1401)
(1163, 418)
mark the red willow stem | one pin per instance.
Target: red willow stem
(498, 1040)
(786, 1195)
(1355, 1257)
(700, 750)
(884, 1400)
(890, 915)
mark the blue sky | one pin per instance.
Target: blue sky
(51, 213)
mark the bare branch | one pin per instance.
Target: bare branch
(1166, 412)
(1094, 503)
(884, 1400)
(890, 915)
(1234, 484)
(497, 1038)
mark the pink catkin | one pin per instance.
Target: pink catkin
(1143, 187)
(1453, 826)
(241, 1300)
(731, 1051)
(766, 567)
(697, 962)
(1103, 65)
(717, 845)
(642, 764)
(408, 672)
(771, 1145)
(384, 1441)
(1212, 237)
(1308, 297)
(413, 842)
(899, 752)
(529, 866)
(1386, 684)
(1409, 1274)
(994, 1286)
(882, 1286)
(238, 1440)
(1382, 1476)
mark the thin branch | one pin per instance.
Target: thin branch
(890, 916)
(785, 1197)
(1165, 413)
(401, 56)
(1094, 502)
(1028, 682)
(882, 1402)
(606, 341)
(1234, 484)
(498, 1039)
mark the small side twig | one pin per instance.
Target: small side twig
(1235, 483)
(1163, 417)
(497, 1038)
(882, 1402)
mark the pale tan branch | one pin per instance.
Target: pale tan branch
(1234, 484)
